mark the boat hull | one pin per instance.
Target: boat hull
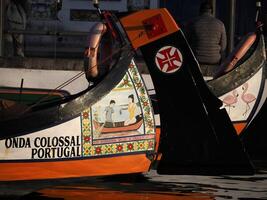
(74, 168)
(75, 148)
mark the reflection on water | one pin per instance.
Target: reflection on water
(143, 187)
(84, 193)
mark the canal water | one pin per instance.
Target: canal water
(147, 186)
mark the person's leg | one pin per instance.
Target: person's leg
(19, 44)
(9, 47)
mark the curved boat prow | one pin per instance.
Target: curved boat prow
(197, 135)
(231, 62)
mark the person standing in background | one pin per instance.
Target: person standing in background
(15, 21)
(207, 38)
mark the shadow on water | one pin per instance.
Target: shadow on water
(141, 187)
(120, 187)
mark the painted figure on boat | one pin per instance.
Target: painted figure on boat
(132, 110)
(109, 111)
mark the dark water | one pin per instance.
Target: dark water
(146, 186)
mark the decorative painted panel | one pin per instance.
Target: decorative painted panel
(239, 102)
(122, 122)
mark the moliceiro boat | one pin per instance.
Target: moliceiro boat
(73, 141)
(58, 137)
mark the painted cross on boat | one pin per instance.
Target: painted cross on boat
(169, 59)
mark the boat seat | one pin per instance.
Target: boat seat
(231, 61)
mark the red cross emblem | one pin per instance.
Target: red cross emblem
(169, 59)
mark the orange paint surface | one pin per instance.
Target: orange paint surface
(138, 34)
(157, 139)
(158, 155)
(74, 168)
(239, 127)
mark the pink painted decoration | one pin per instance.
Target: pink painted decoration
(230, 100)
(247, 97)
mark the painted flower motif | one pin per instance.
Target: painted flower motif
(87, 138)
(86, 152)
(107, 149)
(114, 148)
(140, 145)
(138, 85)
(130, 146)
(142, 91)
(119, 148)
(145, 103)
(150, 123)
(92, 151)
(135, 146)
(85, 115)
(145, 145)
(98, 150)
(125, 81)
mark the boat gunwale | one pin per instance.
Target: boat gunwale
(240, 74)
